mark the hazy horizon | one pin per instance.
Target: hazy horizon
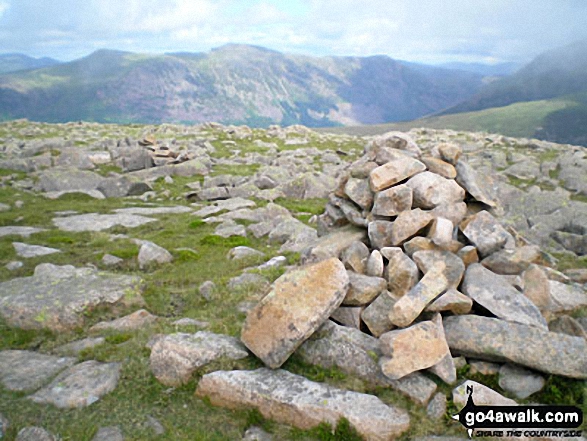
(422, 31)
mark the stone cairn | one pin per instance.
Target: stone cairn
(412, 270)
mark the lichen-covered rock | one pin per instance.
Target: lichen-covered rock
(486, 233)
(401, 272)
(299, 302)
(175, 357)
(512, 261)
(80, 385)
(499, 340)
(59, 297)
(393, 201)
(363, 289)
(394, 171)
(408, 224)
(478, 188)
(137, 320)
(431, 190)
(292, 399)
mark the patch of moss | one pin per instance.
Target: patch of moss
(232, 241)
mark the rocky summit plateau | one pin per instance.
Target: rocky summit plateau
(215, 282)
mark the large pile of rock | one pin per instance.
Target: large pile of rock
(423, 273)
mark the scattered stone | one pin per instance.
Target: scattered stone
(407, 225)
(363, 289)
(299, 302)
(14, 265)
(207, 289)
(441, 232)
(393, 201)
(512, 261)
(437, 407)
(376, 315)
(380, 234)
(566, 297)
(151, 253)
(137, 320)
(175, 357)
(408, 350)
(485, 233)
(536, 287)
(256, 434)
(333, 244)
(500, 298)
(35, 434)
(76, 347)
(186, 321)
(80, 385)
(28, 251)
(567, 325)
(110, 260)
(468, 179)
(292, 399)
(359, 192)
(146, 211)
(112, 433)
(397, 170)
(99, 222)
(242, 252)
(468, 255)
(519, 381)
(577, 275)
(375, 264)
(430, 190)
(409, 307)
(4, 207)
(248, 281)
(274, 262)
(155, 425)
(450, 152)
(59, 297)
(482, 396)
(454, 267)
(445, 369)
(23, 371)
(498, 340)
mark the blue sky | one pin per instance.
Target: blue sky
(429, 31)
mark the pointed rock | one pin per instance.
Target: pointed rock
(355, 257)
(299, 302)
(468, 179)
(452, 301)
(408, 224)
(445, 369)
(482, 396)
(359, 192)
(401, 273)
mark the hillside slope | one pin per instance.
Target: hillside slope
(232, 84)
(16, 62)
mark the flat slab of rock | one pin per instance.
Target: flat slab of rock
(27, 251)
(292, 399)
(408, 350)
(19, 231)
(57, 297)
(136, 320)
(396, 170)
(498, 340)
(299, 302)
(519, 381)
(23, 371)
(175, 357)
(100, 222)
(468, 179)
(500, 298)
(80, 385)
(486, 233)
(146, 211)
(482, 395)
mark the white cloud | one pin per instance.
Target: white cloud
(3, 8)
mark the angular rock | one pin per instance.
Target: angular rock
(439, 167)
(485, 233)
(401, 273)
(500, 298)
(452, 301)
(230, 228)
(450, 152)
(207, 289)
(80, 385)
(19, 231)
(65, 178)
(299, 302)
(75, 347)
(567, 325)
(437, 407)
(359, 192)
(27, 251)
(23, 371)
(242, 252)
(441, 232)
(537, 287)
(58, 297)
(257, 434)
(408, 224)
(35, 434)
(519, 381)
(430, 190)
(175, 357)
(418, 347)
(394, 171)
(380, 234)
(363, 289)
(334, 243)
(355, 257)
(454, 212)
(512, 261)
(468, 255)
(376, 315)
(498, 340)
(409, 307)
(348, 316)
(292, 399)
(483, 367)
(375, 264)
(248, 281)
(445, 369)
(482, 396)
(454, 267)
(110, 260)
(468, 179)
(394, 140)
(566, 297)
(137, 320)
(393, 201)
